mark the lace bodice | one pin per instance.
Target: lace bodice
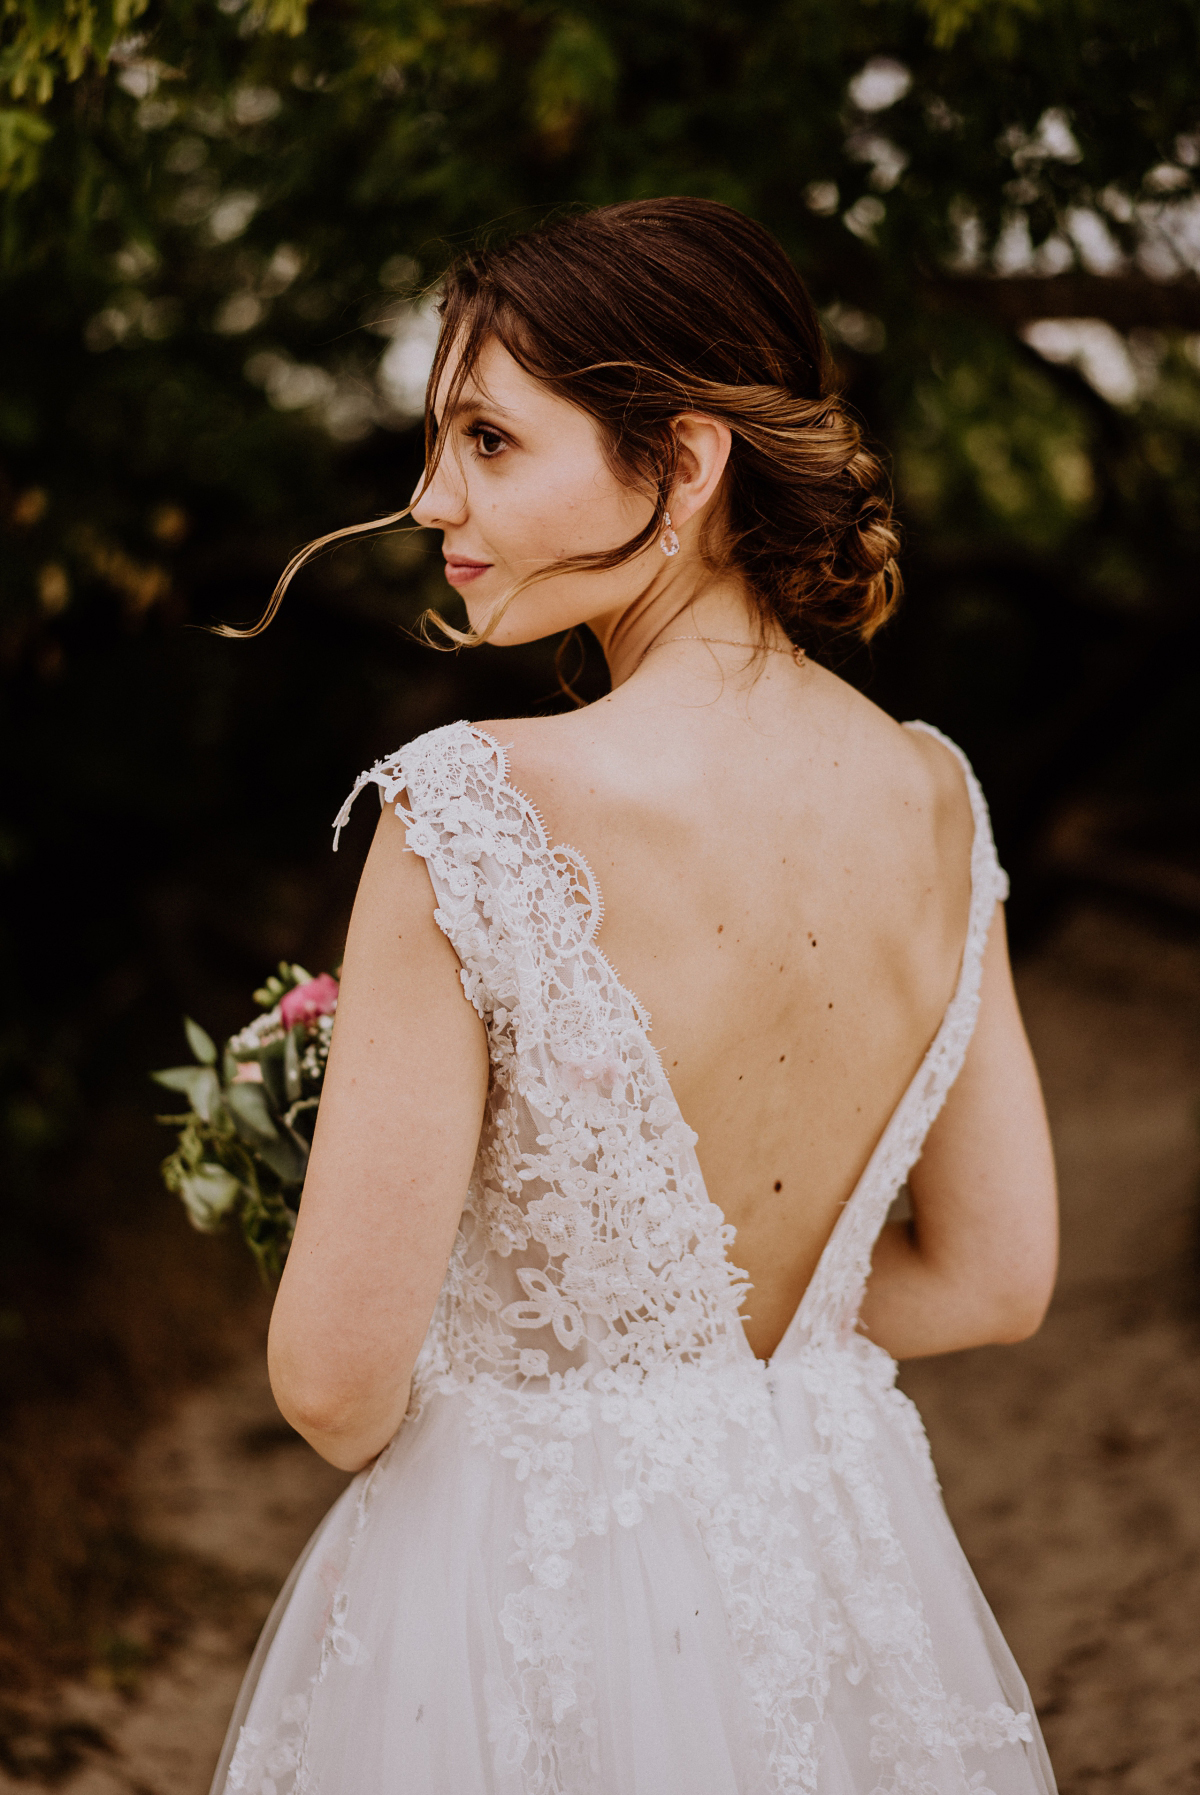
(592, 1301)
(588, 1234)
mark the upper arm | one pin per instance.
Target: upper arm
(394, 1145)
(984, 1192)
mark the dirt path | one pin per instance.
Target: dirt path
(229, 1489)
(1071, 1464)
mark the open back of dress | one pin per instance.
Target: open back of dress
(610, 1552)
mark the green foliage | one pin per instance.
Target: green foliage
(41, 43)
(990, 451)
(243, 1142)
(1000, 20)
(201, 1044)
(213, 220)
(217, 223)
(22, 134)
(573, 81)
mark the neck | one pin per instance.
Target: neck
(720, 607)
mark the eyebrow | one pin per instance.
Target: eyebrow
(477, 402)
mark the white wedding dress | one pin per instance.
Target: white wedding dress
(610, 1552)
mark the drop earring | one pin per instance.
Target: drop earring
(668, 542)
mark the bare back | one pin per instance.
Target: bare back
(786, 877)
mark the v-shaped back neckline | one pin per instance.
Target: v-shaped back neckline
(963, 997)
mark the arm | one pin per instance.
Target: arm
(395, 1142)
(976, 1263)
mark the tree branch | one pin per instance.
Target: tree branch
(1126, 301)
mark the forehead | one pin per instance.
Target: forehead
(497, 382)
(495, 375)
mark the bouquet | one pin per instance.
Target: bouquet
(245, 1137)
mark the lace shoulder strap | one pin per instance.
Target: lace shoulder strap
(504, 896)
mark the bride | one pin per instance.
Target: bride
(594, 1283)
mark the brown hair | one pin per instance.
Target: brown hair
(640, 311)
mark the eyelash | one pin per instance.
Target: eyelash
(477, 432)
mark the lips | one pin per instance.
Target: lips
(460, 571)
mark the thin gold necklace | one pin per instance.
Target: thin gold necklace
(797, 654)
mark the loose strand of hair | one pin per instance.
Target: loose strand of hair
(434, 448)
(378, 526)
(566, 684)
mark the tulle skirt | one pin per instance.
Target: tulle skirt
(392, 1663)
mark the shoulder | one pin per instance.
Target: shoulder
(941, 771)
(954, 792)
(605, 771)
(623, 760)
(566, 742)
(910, 760)
(572, 751)
(903, 787)
(905, 761)
(960, 824)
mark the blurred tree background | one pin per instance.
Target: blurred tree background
(221, 223)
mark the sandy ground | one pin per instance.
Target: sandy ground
(1071, 1464)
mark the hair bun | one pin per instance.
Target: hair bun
(810, 513)
(869, 547)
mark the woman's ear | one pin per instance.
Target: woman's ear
(704, 445)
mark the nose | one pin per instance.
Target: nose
(441, 501)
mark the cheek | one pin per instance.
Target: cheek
(549, 510)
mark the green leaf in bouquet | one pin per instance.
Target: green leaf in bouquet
(292, 1082)
(209, 1193)
(201, 1044)
(199, 1084)
(286, 1156)
(251, 1114)
(274, 1082)
(273, 987)
(283, 1153)
(268, 1223)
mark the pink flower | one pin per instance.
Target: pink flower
(249, 1072)
(307, 1002)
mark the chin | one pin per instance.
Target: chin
(511, 636)
(540, 610)
(512, 631)
(504, 636)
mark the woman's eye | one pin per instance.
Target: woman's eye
(488, 443)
